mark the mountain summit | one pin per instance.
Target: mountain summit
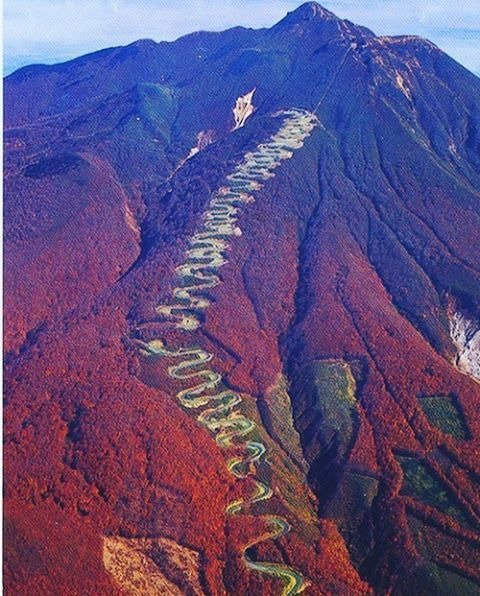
(242, 317)
(308, 12)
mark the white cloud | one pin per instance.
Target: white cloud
(53, 30)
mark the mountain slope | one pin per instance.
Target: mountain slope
(333, 295)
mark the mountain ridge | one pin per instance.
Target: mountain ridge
(307, 12)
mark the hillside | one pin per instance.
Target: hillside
(242, 316)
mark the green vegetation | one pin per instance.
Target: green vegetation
(430, 578)
(333, 388)
(421, 483)
(443, 412)
(157, 105)
(328, 389)
(351, 509)
(277, 417)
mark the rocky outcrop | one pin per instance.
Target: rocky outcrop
(243, 109)
(465, 335)
(153, 566)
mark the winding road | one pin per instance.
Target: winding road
(193, 365)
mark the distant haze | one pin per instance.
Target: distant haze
(49, 31)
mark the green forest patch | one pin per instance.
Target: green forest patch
(443, 412)
(421, 483)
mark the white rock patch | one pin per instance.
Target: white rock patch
(466, 337)
(243, 109)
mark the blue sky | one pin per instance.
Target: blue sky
(51, 31)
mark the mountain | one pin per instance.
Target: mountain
(242, 305)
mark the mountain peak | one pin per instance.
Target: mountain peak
(308, 12)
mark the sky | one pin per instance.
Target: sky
(49, 31)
